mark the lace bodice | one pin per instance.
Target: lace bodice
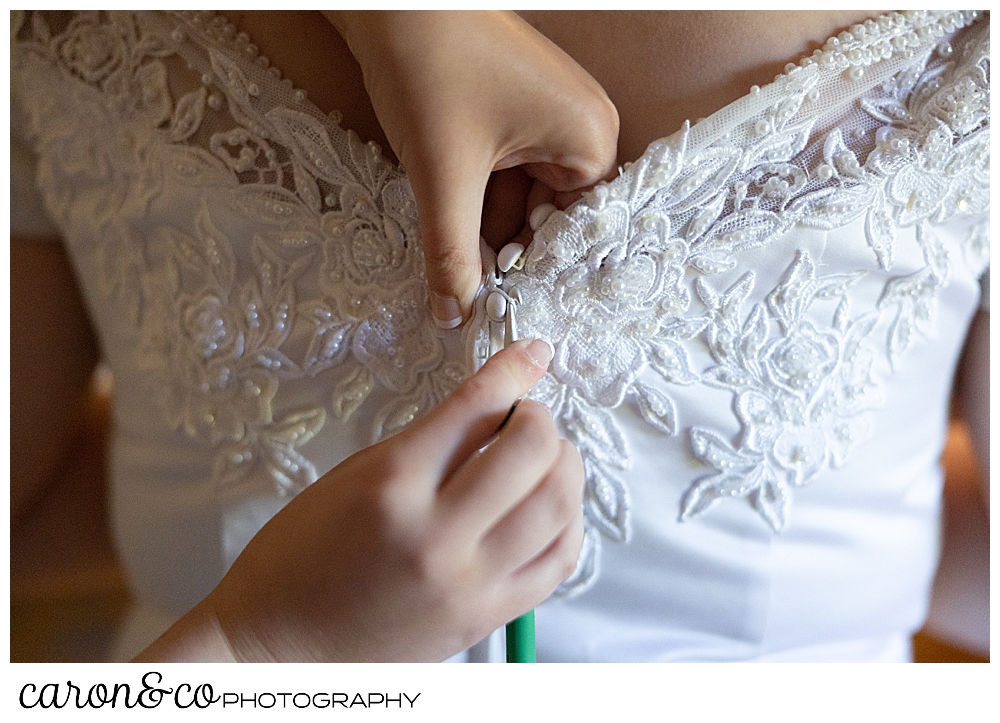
(258, 270)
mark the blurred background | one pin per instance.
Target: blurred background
(69, 595)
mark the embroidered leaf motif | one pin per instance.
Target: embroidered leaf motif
(671, 360)
(329, 341)
(707, 295)
(297, 428)
(291, 471)
(594, 432)
(695, 189)
(830, 208)
(605, 502)
(914, 296)
(236, 83)
(156, 103)
(734, 298)
(977, 247)
(187, 115)
(657, 408)
(216, 251)
(754, 333)
(771, 499)
(779, 146)
(712, 261)
(351, 392)
(713, 449)
(709, 490)
(196, 166)
(705, 218)
(662, 161)
(231, 465)
(367, 158)
(790, 301)
(739, 231)
(276, 206)
(609, 281)
(275, 447)
(311, 140)
(306, 188)
(881, 232)
(398, 414)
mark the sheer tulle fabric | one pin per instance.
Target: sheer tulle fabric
(755, 324)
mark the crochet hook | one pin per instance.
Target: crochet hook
(520, 631)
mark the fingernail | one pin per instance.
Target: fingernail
(446, 311)
(540, 352)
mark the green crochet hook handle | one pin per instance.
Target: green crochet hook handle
(521, 639)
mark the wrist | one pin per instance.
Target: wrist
(195, 638)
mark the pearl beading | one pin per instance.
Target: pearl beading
(881, 38)
(623, 282)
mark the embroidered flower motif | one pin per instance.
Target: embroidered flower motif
(273, 447)
(609, 281)
(366, 246)
(619, 309)
(929, 163)
(92, 50)
(798, 361)
(218, 348)
(800, 397)
(209, 326)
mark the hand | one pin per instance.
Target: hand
(461, 95)
(412, 549)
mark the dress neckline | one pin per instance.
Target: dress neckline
(852, 51)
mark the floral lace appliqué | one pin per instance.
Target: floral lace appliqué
(329, 283)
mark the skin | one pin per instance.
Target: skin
(450, 542)
(465, 101)
(412, 549)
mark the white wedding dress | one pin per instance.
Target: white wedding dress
(756, 324)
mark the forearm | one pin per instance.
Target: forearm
(973, 392)
(53, 352)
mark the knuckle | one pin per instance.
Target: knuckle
(562, 507)
(390, 476)
(434, 564)
(599, 126)
(602, 118)
(571, 544)
(562, 500)
(533, 425)
(610, 119)
(450, 262)
(572, 463)
(538, 415)
(568, 566)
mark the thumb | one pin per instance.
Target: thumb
(449, 191)
(471, 415)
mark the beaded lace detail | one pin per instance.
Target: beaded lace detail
(887, 123)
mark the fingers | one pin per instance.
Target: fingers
(449, 186)
(535, 581)
(507, 195)
(469, 417)
(530, 528)
(485, 489)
